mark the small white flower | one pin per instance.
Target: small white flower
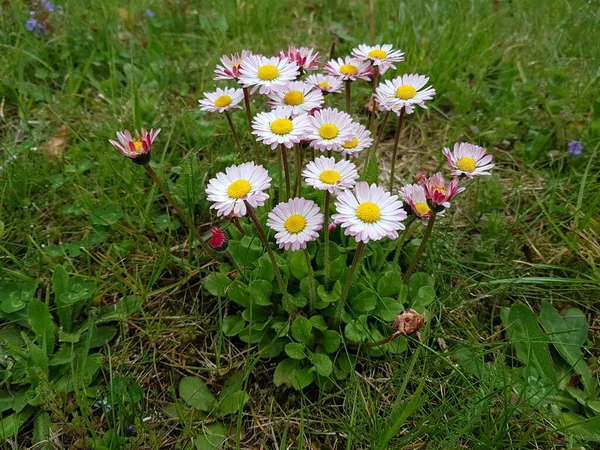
(468, 159)
(361, 139)
(295, 223)
(222, 100)
(404, 92)
(414, 195)
(327, 175)
(280, 127)
(301, 96)
(266, 73)
(230, 66)
(382, 56)
(349, 69)
(326, 83)
(330, 129)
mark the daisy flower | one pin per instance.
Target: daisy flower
(138, 149)
(327, 175)
(361, 139)
(404, 92)
(222, 100)
(414, 195)
(330, 129)
(280, 127)
(229, 69)
(349, 69)
(266, 73)
(301, 96)
(439, 192)
(295, 223)
(246, 182)
(306, 58)
(382, 56)
(326, 83)
(369, 213)
(468, 159)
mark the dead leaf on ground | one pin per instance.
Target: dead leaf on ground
(55, 147)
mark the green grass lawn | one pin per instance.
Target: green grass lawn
(519, 77)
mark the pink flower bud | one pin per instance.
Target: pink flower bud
(218, 240)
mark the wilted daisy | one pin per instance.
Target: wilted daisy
(330, 129)
(295, 223)
(306, 58)
(246, 182)
(349, 69)
(414, 195)
(382, 56)
(230, 66)
(222, 100)
(279, 126)
(327, 175)
(267, 73)
(404, 92)
(302, 97)
(138, 149)
(361, 139)
(369, 213)
(326, 83)
(439, 192)
(468, 159)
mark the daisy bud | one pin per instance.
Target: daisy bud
(408, 322)
(138, 149)
(331, 227)
(438, 192)
(218, 239)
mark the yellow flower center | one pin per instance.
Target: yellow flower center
(466, 164)
(406, 92)
(330, 176)
(440, 189)
(368, 212)
(268, 72)
(294, 98)
(138, 145)
(351, 144)
(222, 101)
(376, 53)
(422, 208)
(295, 223)
(348, 69)
(328, 131)
(281, 126)
(324, 84)
(238, 189)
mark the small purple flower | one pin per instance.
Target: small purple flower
(575, 147)
(48, 5)
(150, 13)
(34, 26)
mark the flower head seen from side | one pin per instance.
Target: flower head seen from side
(326, 83)
(405, 92)
(415, 197)
(382, 56)
(280, 127)
(349, 69)
(468, 159)
(361, 139)
(302, 97)
(326, 174)
(295, 223)
(330, 129)
(222, 100)
(229, 69)
(137, 149)
(369, 213)
(266, 74)
(439, 192)
(305, 58)
(217, 239)
(246, 182)
(575, 147)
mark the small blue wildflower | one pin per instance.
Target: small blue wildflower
(48, 5)
(34, 26)
(150, 13)
(575, 147)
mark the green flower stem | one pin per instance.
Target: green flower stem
(396, 139)
(375, 79)
(373, 150)
(280, 174)
(152, 174)
(403, 237)
(298, 183)
(235, 264)
(326, 233)
(348, 85)
(311, 282)
(337, 318)
(286, 169)
(421, 248)
(235, 136)
(249, 117)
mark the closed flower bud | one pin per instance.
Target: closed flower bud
(218, 239)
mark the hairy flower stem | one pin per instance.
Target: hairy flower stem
(298, 182)
(421, 248)
(408, 225)
(326, 233)
(152, 174)
(348, 86)
(235, 136)
(375, 344)
(286, 169)
(337, 318)
(396, 139)
(249, 117)
(280, 174)
(373, 150)
(311, 282)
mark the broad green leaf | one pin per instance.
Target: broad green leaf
(335, 294)
(337, 266)
(284, 372)
(217, 283)
(357, 330)
(425, 296)
(247, 251)
(318, 322)
(322, 363)
(107, 216)
(398, 345)
(389, 284)
(388, 308)
(302, 378)
(42, 325)
(295, 350)
(15, 296)
(298, 265)
(212, 437)
(196, 394)
(239, 293)
(232, 398)
(9, 426)
(260, 292)
(264, 269)
(302, 330)
(41, 428)
(364, 302)
(252, 334)
(60, 286)
(331, 340)
(100, 336)
(416, 282)
(580, 427)
(232, 325)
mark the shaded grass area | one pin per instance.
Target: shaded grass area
(520, 78)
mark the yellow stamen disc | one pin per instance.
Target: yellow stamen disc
(239, 188)
(295, 223)
(324, 84)
(348, 69)
(222, 101)
(328, 131)
(406, 92)
(376, 53)
(422, 208)
(268, 72)
(138, 145)
(281, 126)
(330, 176)
(293, 98)
(351, 144)
(466, 164)
(368, 212)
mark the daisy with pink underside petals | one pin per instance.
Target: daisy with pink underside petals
(369, 213)
(361, 139)
(327, 175)
(137, 149)
(229, 189)
(382, 56)
(468, 159)
(325, 83)
(222, 100)
(229, 69)
(349, 69)
(280, 127)
(266, 74)
(302, 97)
(414, 195)
(306, 58)
(440, 193)
(330, 129)
(405, 92)
(295, 223)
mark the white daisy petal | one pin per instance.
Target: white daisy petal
(296, 222)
